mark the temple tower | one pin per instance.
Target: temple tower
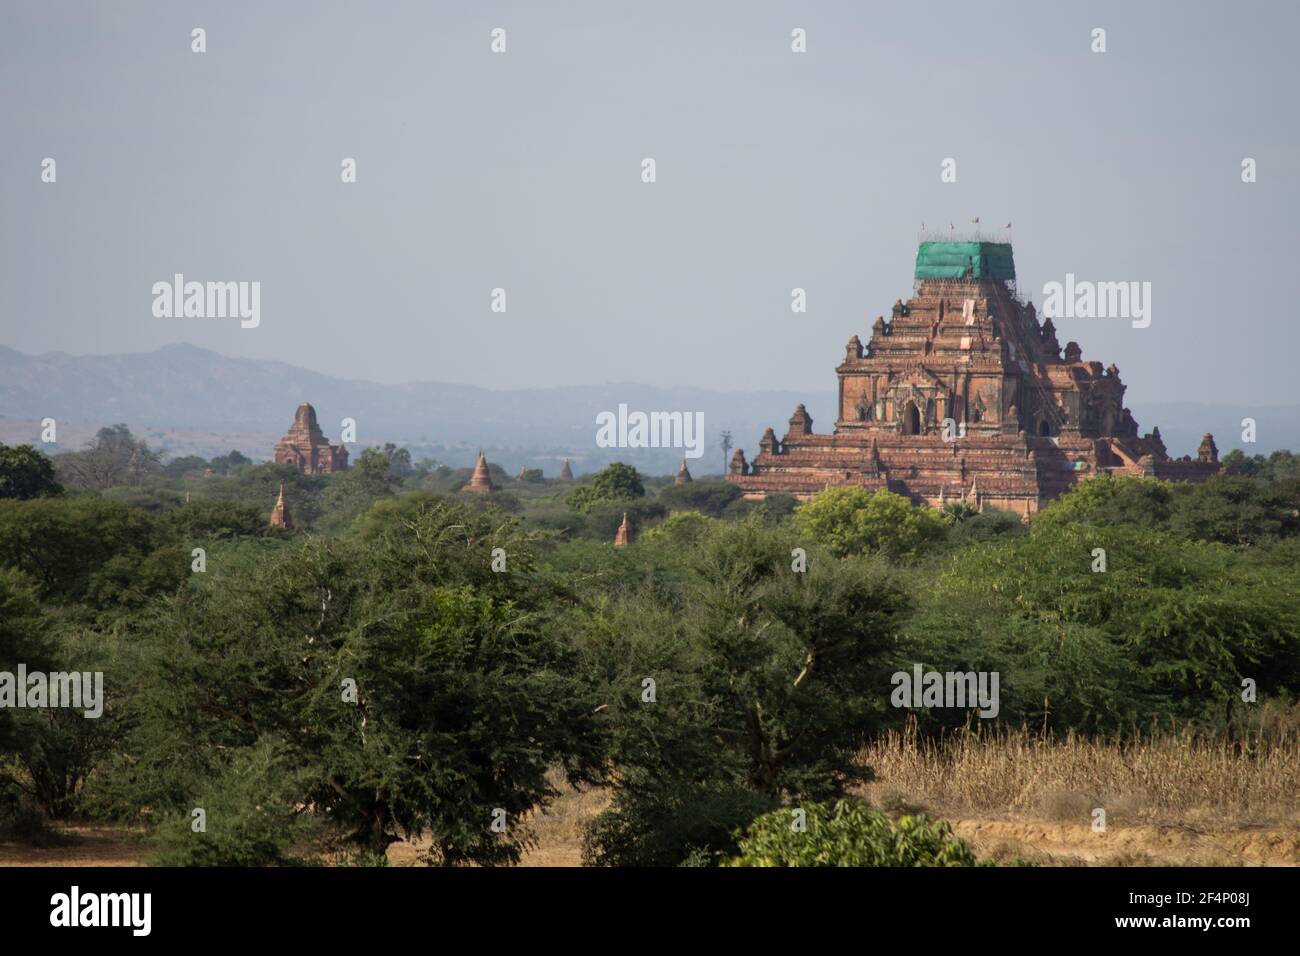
(307, 449)
(623, 536)
(481, 482)
(280, 517)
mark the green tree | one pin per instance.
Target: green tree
(708, 497)
(464, 696)
(616, 483)
(113, 457)
(23, 630)
(228, 462)
(26, 473)
(68, 546)
(185, 465)
(766, 680)
(679, 528)
(1166, 627)
(852, 520)
(352, 492)
(206, 518)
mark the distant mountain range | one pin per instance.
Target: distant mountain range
(197, 397)
(189, 400)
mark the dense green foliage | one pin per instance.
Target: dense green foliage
(413, 660)
(857, 521)
(617, 483)
(26, 473)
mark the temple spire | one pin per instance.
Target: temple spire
(683, 475)
(623, 536)
(280, 517)
(481, 483)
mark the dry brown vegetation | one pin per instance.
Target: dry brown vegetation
(1168, 798)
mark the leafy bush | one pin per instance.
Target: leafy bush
(203, 518)
(856, 521)
(705, 496)
(849, 833)
(616, 483)
(986, 525)
(1076, 649)
(671, 825)
(679, 528)
(248, 815)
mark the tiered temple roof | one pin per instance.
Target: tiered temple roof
(963, 393)
(307, 449)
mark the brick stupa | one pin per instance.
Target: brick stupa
(481, 482)
(307, 449)
(623, 536)
(566, 473)
(964, 394)
(280, 517)
(683, 475)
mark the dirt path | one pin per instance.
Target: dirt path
(86, 846)
(1071, 844)
(559, 836)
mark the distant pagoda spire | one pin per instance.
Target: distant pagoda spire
(566, 473)
(623, 536)
(683, 475)
(280, 517)
(481, 483)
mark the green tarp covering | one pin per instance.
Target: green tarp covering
(955, 260)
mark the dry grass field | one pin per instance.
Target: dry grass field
(1170, 800)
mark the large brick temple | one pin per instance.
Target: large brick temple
(306, 447)
(1026, 419)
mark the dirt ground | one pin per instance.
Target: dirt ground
(1047, 843)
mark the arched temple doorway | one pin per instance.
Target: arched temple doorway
(911, 419)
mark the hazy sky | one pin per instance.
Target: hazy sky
(522, 170)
